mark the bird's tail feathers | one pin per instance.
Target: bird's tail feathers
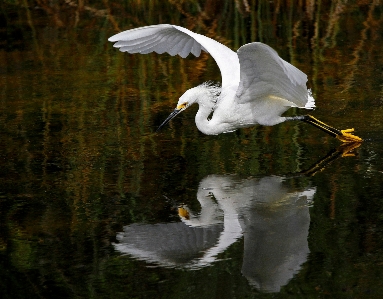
(310, 101)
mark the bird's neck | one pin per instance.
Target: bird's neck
(202, 122)
(206, 104)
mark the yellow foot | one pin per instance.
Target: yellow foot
(347, 137)
(347, 148)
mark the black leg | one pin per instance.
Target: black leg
(322, 126)
(343, 135)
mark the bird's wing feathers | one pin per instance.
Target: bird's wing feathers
(178, 40)
(265, 75)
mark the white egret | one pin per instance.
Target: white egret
(257, 85)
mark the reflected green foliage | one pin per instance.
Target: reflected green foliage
(79, 157)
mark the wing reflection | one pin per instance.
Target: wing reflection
(273, 219)
(168, 244)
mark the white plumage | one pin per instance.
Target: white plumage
(257, 85)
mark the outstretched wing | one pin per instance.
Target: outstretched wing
(178, 40)
(265, 75)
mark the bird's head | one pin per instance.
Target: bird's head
(183, 103)
(201, 94)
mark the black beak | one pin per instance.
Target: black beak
(171, 116)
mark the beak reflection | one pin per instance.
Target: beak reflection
(170, 117)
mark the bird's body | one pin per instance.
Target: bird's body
(227, 114)
(257, 85)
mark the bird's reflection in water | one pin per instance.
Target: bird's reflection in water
(272, 216)
(273, 219)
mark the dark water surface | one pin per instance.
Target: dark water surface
(95, 204)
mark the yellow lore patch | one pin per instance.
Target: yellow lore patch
(183, 213)
(182, 106)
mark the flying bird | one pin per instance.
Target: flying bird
(257, 86)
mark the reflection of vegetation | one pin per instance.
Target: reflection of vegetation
(78, 157)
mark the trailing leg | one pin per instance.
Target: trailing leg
(342, 135)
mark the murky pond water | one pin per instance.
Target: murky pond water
(94, 203)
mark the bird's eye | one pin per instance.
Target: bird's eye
(182, 106)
